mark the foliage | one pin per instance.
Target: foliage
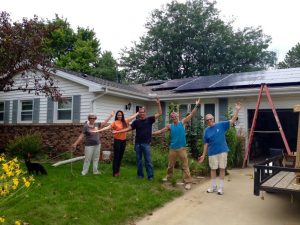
(90, 199)
(80, 51)
(12, 181)
(106, 67)
(189, 39)
(23, 144)
(292, 58)
(159, 157)
(22, 52)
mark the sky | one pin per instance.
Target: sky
(118, 23)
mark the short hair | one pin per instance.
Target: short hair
(92, 115)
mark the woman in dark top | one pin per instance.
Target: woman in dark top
(92, 142)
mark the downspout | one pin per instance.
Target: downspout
(94, 99)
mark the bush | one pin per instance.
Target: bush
(24, 144)
(235, 144)
(159, 157)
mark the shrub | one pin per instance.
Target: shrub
(159, 157)
(23, 144)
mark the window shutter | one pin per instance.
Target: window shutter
(223, 108)
(36, 110)
(15, 112)
(76, 108)
(50, 110)
(6, 111)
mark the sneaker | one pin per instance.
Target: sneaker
(188, 186)
(116, 175)
(97, 173)
(211, 190)
(165, 179)
(83, 174)
(150, 178)
(220, 191)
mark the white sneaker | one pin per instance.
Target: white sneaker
(165, 179)
(188, 186)
(97, 172)
(83, 174)
(220, 191)
(212, 189)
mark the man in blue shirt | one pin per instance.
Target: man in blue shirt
(215, 144)
(178, 145)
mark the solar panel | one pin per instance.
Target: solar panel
(238, 80)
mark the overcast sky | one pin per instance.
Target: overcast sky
(118, 23)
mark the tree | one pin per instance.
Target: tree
(106, 67)
(22, 52)
(189, 39)
(292, 58)
(80, 51)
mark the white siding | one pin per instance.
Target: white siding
(106, 104)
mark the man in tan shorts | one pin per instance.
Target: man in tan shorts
(215, 144)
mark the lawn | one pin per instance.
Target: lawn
(65, 197)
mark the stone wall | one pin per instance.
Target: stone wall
(57, 138)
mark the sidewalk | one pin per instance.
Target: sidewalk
(238, 206)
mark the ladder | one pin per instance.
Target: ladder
(265, 88)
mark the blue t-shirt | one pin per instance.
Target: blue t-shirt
(214, 136)
(178, 139)
(143, 130)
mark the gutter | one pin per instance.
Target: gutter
(97, 97)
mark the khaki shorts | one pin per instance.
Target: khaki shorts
(218, 161)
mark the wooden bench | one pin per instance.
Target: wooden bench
(275, 178)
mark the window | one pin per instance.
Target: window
(1, 111)
(64, 109)
(26, 110)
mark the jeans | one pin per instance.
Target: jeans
(140, 150)
(119, 148)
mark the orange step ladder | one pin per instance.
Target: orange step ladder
(265, 88)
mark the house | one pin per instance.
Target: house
(20, 111)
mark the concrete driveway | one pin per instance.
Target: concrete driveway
(238, 206)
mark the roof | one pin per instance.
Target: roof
(238, 84)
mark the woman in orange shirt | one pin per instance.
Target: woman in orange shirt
(119, 139)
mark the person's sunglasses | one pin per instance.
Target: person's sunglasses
(92, 118)
(208, 119)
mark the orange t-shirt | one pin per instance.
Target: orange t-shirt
(118, 125)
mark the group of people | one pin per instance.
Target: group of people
(214, 143)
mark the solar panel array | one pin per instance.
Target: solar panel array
(239, 80)
(171, 84)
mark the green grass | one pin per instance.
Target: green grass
(65, 197)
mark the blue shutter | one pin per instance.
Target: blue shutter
(36, 110)
(6, 111)
(223, 108)
(50, 110)
(76, 108)
(15, 112)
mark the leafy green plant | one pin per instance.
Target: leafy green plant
(23, 144)
(159, 156)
